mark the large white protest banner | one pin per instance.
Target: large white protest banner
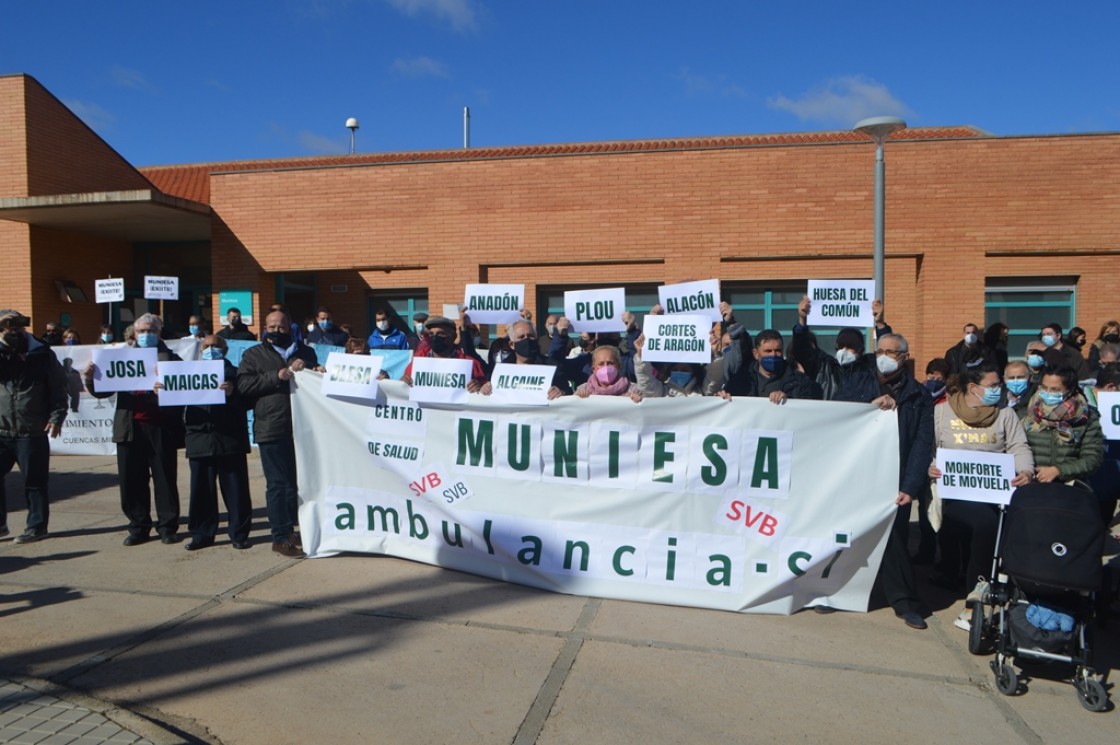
(699, 502)
(975, 476)
(698, 298)
(88, 429)
(1109, 406)
(495, 303)
(677, 339)
(841, 302)
(124, 369)
(594, 311)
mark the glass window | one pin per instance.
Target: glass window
(1026, 305)
(550, 300)
(400, 305)
(770, 305)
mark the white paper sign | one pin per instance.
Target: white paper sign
(596, 310)
(161, 288)
(124, 369)
(192, 383)
(451, 310)
(351, 375)
(436, 380)
(697, 298)
(495, 303)
(975, 476)
(109, 290)
(525, 385)
(1109, 406)
(841, 302)
(677, 339)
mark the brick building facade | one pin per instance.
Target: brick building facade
(978, 227)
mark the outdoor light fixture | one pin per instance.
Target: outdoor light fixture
(879, 128)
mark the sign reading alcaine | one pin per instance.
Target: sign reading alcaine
(495, 303)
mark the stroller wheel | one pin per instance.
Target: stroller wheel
(1007, 680)
(977, 629)
(1092, 695)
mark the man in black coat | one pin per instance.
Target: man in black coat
(897, 389)
(264, 381)
(969, 352)
(217, 437)
(768, 375)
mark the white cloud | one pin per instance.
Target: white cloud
(843, 100)
(317, 143)
(704, 85)
(420, 67)
(461, 14)
(95, 117)
(125, 77)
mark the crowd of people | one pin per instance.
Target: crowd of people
(980, 395)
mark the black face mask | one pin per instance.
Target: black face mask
(14, 339)
(1112, 338)
(524, 348)
(441, 345)
(279, 339)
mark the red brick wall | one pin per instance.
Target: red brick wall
(949, 204)
(13, 137)
(81, 259)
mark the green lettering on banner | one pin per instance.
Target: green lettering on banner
(716, 473)
(720, 575)
(1116, 415)
(584, 551)
(373, 510)
(662, 456)
(480, 444)
(531, 555)
(565, 453)
(612, 455)
(617, 561)
(413, 519)
(671, 561)
(458, 535)
(795, 557)
(766, 463)
(519, 462)
(346, 520)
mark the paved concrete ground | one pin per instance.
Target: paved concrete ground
(156, 644)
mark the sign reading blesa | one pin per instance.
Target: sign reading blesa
(109, 290)
(698, 298)
(841, 302)
(1109, 406)
(443, 381)
(677, 339)
(124, 369)
(521, 384)
(596, 310)
(161, 288)
(351, 375)
(975, 476)
(495, 303)
(192, 383)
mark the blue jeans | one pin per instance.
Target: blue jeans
(281, 494)
(33, 454)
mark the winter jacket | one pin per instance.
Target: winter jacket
(170, 417)
(961, 357)
(259, 383)
(651, 387)
(791, 382)
(1077, 457)
(34, 390)
(395, 339)
(333, 336)
(1005, 435)
(218, 429)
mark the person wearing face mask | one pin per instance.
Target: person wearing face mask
(1109, 334)
(1106, 481)
(195, 328)
(325, 332)
(1035, 357)
(147, 436)
(71, 338)
(1075, 338)
(606, 377)
(217, 443)
(969, 352)
(441, 344)
(768, 375)
(973, 420)
(677, 379)
(235, 330)
(264, 381)
(995, 339)
(107, 336)
(937, 378)
(52, 334)
(1018, 386)
(897, 390)
(1064, 432)
(33, 401)
(831, 371)
(525, 350)
(385, 335)
(1060, 353)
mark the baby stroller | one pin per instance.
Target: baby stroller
(1040, 604)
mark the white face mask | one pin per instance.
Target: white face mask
(846, 356)
(382, 325)
(310, 327)
(970, 339)
(887, 365)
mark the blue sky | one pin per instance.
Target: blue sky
(210, 81)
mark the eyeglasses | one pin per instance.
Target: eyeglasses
(892, 353)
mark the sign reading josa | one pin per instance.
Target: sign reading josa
(351, 375)
(525, 385)
(192, 383)
(677, 339)
(124, 369)
(697, 298)
(1109, 406)
(841, 302)
(975, 476)
(436, 380)
(698, 502)
(109, 290)
(596, 310)
(495, 303)
(161, 288)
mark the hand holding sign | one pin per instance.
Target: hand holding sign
(841, 302)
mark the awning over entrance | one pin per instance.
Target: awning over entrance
(142, 215)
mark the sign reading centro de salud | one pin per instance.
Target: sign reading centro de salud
(841, 302)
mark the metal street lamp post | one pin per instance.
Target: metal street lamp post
(879, 128)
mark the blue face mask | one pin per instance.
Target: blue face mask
(1049, 340)
(193, 330)
(324, 325)
(773, 365)
(212, 353)
(1018, 386)
(1035, 361)
(1051, 399)
(106, 338)
(680, 379)
(990, 396)
(69, 342)
(147, 340)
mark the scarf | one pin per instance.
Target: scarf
(618, 388)
(1067, 418)
(984, 416)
